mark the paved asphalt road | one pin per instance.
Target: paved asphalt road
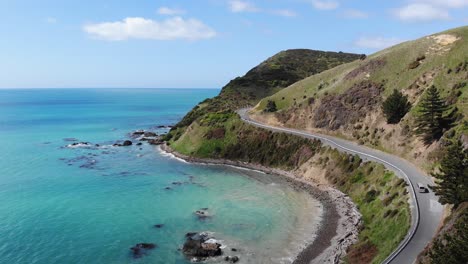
(426, 211)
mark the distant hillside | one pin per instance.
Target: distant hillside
(347, 100)
(272, 75)
(282, 70)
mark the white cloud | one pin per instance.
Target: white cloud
(354, 13)
(238, 6)
(170, 11)
(141, 28)
(444, 3)
(325, 4)
(376, 42)
(421, 12)
(284, 13)
(51, 20)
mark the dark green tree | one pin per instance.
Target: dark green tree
(452, 248)
(452, 180)
(271, 106)
(395, 107)
(431, 121)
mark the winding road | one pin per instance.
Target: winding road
(426, 211)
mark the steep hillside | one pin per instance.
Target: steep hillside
(272, 75)
(346, 101)
(213, 130)
(279, 71)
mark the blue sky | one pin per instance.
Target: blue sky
(194, 43)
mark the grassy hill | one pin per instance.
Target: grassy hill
(213, 130)
(346, 101)
(272, 75)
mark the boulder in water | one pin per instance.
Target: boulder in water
(200, 246)
(127, 143)
(150, 134)
(141, 249)
(232, 259)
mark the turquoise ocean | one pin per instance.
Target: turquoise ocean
(90, 205)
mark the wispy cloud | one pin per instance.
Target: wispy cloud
(238, 6)
(170, 11)
(325, 4)
(141, 28)
(51, 20)
(376, 43)
(421, 12)
(284, 13)
(444, 3)
(355, 14)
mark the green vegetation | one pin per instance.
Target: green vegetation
(380, 196)
(452, 248)
(452, 180)
(431, 121)
(395, 107)
(441, 60)
(271, 106)
(280, 71)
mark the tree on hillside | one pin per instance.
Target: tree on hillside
(395, 107)
(431, 121)
(271, 106)
(452, 180)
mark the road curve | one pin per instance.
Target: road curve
(426, 211)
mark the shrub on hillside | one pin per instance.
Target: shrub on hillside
(395, 107)
(271, 106)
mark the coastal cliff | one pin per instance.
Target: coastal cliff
(213, 130)
(383, 102)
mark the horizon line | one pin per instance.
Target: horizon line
(44, 88)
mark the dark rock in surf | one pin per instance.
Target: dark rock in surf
(202, 214)
(232, 259)
(156, 141)
(150, 134)
(200, 246)
(127, 143)
(141, 249)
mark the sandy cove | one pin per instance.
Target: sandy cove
(339, 227)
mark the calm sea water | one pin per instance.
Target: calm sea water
(79, 205)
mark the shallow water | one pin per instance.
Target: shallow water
(90, 205)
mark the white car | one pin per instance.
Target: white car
(422, 188)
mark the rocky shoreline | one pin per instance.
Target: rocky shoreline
(339, 227)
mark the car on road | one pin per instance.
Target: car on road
(422, 188)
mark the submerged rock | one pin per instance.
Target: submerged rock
(232, 259)
(127, 143)
(202, 213)
(141, 249)
(79, 145)
(200, 246)
(159, 225)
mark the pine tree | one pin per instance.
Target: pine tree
(431, 121)
(271, 106)
(452, 180)
(395, 107)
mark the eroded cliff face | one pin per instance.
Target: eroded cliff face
(450, 244)
(347, 101)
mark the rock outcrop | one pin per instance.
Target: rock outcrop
(200, 246)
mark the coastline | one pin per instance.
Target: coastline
(339, 224)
